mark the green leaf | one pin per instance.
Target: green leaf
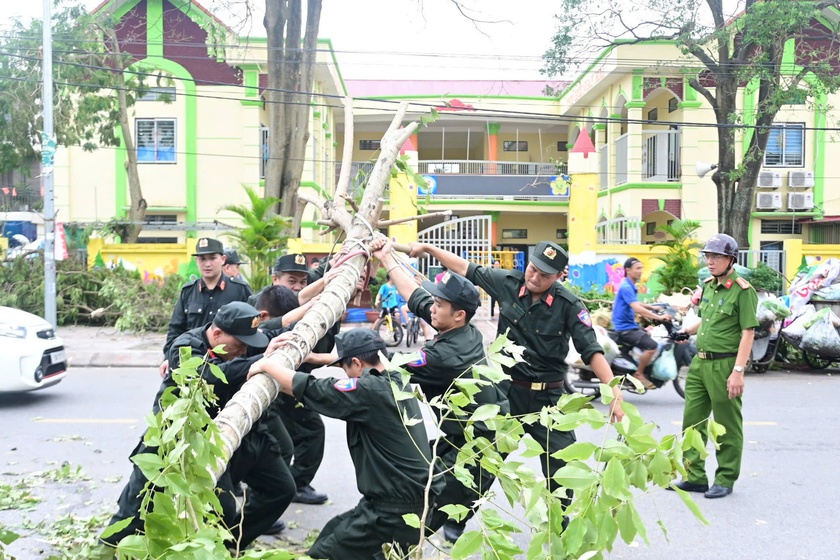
(626, 526)
(412, 520)
(455, 511)
(532, 448)
(485, 412)
(467, 544)
(578, 451)
(7, 537)
(576, 476)
(614, 480)
(490, 373)
(150, 464)
(715, 431)
(691, 505)
(217, 372)
(133, 546)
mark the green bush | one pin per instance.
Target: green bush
(762, 277)
(112, 297)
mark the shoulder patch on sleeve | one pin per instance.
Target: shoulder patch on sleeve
(346, 385)
(709, 279)
(743, 283)
(585, 318)
(419, 362)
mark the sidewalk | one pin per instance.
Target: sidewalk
(107, 347)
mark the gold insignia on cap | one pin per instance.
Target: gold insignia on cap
(256, 322)
(203, 242)
(445, 278)
(300, 259)
(550, 252)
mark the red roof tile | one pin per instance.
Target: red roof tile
(464, 88)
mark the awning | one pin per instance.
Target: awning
(825, 220)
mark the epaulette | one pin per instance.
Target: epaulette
(563, 292)
(743, 283)
(237, 280)
(188, 284)
(709, 279)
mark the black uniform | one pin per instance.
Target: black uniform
(197, 305)
(544, 328)
(257, 461)
(391, 462)
(442, 360)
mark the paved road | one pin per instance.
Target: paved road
(786, 505)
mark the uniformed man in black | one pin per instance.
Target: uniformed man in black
(200, 299)
(540, 314)
(232, 265)
(448, 305)
(305, 427)
(391, 459)
(257, 461)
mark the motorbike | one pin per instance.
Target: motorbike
(581, 379)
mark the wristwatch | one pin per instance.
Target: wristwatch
(739, 369)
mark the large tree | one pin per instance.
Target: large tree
(731, 50)
(94, 91)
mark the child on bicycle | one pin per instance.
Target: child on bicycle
(388, 297)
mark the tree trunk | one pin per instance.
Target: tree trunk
(291, 68)
(248, 404)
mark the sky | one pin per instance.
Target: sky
(415, 39)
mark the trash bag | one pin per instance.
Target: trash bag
(690, 319)
(611, 350)
(796, 330)
(776, 306)
(665, 367)
(822, 338)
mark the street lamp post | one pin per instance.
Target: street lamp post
(47, 161)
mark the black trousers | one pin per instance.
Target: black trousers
(257, 461)
(359, 534)
(306, 429)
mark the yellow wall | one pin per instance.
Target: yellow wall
(541, 227)
(151, 259)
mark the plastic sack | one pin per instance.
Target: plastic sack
(573, 357)
(665, 367)
(828, 293)
(824, 313)
(611, 351)
(776, 306)
(796, 330)
(691, 319)
(822, 339)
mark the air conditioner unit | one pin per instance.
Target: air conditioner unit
(800, 179)
(800, 201)
(768, 201)
(770, 179)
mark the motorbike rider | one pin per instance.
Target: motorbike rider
(625, 309)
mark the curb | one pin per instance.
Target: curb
(133, 359)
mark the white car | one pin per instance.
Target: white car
(32, 354)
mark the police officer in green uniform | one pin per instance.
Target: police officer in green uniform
(541, 315)
(305, 426)
(448, 306)
(200, 299)
(715, 381)
(257, 461)
(391, 459)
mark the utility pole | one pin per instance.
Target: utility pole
(47, 163)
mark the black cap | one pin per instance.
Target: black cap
(549, 257)
(241, 320)
(630, 262)
(456, 289)
(356, 342)
(233, 257)
(208, 246)
(295, 262)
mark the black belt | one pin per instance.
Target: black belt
(538, 386)
(716, 355)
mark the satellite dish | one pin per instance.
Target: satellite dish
(702, 168)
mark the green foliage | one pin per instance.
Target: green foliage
(262, 237)
(680, 263)
(95, 297)
(762, 277)
(593, 298)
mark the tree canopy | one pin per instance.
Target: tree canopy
(781, 51)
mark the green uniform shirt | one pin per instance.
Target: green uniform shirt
(197, 305)
(391, 460)
(449, 356)
(543, 327)
(726, 310)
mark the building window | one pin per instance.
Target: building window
(155, 140)
(781, 227)
(562, 233)
(785, 146)
(562, 146)
(166, 94)
(650, 228)
(514, 234)
(369, 145)
(673, 104)
(263, 151)
(515, 146)
(653, 114)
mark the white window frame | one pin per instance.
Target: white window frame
(156, 149)
(784, 157)
(265, 137)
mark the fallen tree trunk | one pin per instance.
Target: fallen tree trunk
(249, 403)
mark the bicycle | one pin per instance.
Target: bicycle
(388, 327)
(412, 330)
